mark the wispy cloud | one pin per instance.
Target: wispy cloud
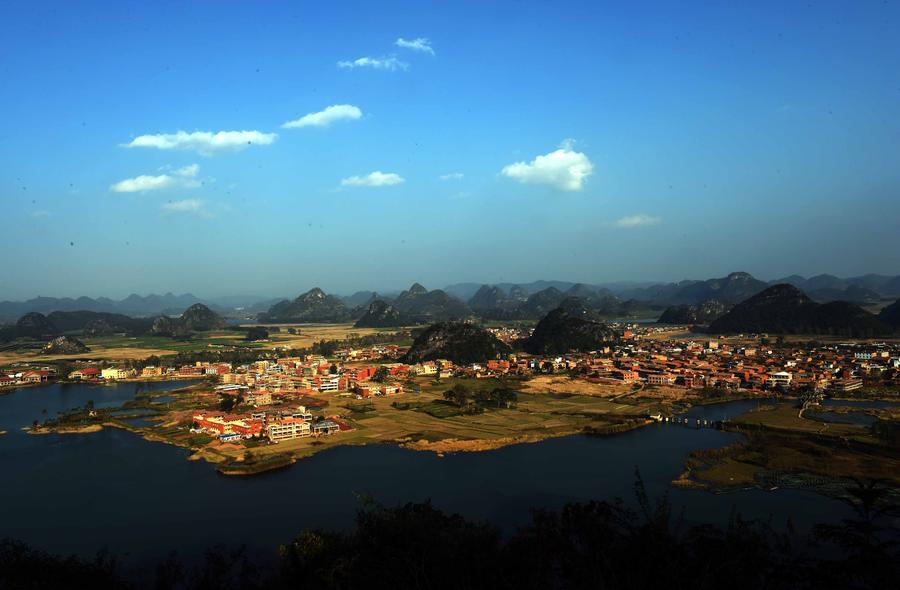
(376, 178)
(40, 213)
(187, 207)
(203, 142)
(419, 44)
(563, 169)
(324, 118)
(638, 220)
(180, 178)
(378, 63)
(451, 176)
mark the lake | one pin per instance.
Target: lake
(80, 493)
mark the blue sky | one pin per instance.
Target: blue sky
(585, 141)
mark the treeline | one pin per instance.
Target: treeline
(585, 545)
(475, 401)
(328, 347)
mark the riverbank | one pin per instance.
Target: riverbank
(65, 429)
(781, 448)
(409, 420)
(98, 382)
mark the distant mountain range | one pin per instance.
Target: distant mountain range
(730, 289)
(133, 305)
(196, 318)
(500, 301)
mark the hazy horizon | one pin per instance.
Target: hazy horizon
(271, 149)
(394, 289)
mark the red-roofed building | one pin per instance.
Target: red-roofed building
(85, 374)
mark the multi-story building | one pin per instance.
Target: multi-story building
(287, 428)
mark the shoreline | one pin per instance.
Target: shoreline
(100, 382)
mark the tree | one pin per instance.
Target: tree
(257, 333)
(227, 402)
(502, 396)
(458, 394)
(438, 365)
(381, 374)
(481, 396)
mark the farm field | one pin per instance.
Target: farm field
(138, 347)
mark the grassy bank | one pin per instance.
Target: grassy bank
(782, 449)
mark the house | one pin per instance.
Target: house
(35, 376)
(781, 378)
(842, 385)
(151, 372)
(85, 374)
(660, 379)
(325, 427)
(288, 428)
(113, 373)
(228, 424)
(259, 398)
(7, 380)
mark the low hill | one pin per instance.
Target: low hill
(733, 288)
(196, 318)
(423, 305)
(690, 313)
(381, 314)
(891, 315)
(65, 345)
(785, 309)
(560, 332)
(460, 342)
(314, 306)
(489, 297)
(35, 325)
(98, 323)
(542, 302)
(200, 318)
(360, 298)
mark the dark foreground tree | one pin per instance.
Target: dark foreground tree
(607, 545)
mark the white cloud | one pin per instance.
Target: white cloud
(143, 183)
(204, 142)
(335, 112)
(376, 178)
(451, 176)
(563, 169)
(419, 44)
(187, 206)
(182, 178)
(40, 213)
(638, 220)
(378, 63)
(189, 171)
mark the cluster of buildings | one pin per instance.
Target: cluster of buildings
(91, 373)
(29, 377)
(714, 363)
(276, 426)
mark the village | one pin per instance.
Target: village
(273, 399)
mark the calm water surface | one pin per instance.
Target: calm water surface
(80, 493)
